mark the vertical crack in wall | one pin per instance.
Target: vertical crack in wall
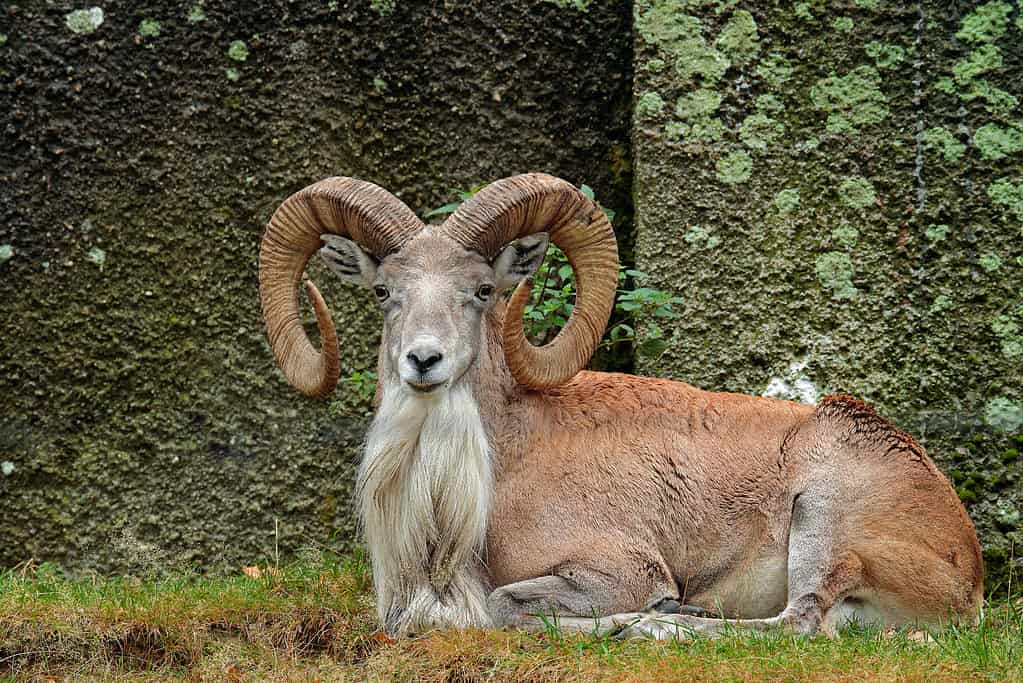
(622, 358)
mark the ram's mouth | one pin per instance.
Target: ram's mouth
(425, 387)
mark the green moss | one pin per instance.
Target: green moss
(980, 61)
(942, 140)
(835, 271)
(768, 104)
(196, 15)
(577, 5)
(699, 237)
(759, 131)
(1004, 415)
(1010, 195)
(856, 192)
(700, 103)
(809, 144)
(775, 70)
(966, 495)
(1007, 517)
(995, 142)
(697, 109)
(885, 56)
(238, 51)
(802, 11)
(842, 24)
(675, 130)
(702, 130)
(941, 304)
(845, 235)
(787, 200)
(149, 28)
(990, 262)
(734, 168)
(997, 101)
(1008, 330)
(97, 256)
(232, 74)
(651, 104)
(3, 39)
(84, 20)
(384, 8)
(738, 39)
(380, 84)
(868, 4)
(986, 23)
(851, 101)
(945, 85)
(655, 66)
(6, 253)
(936, 232)
(666, 25)
(696, 58)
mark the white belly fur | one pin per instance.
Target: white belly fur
(758, 591)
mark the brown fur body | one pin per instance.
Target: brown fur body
(674, 492)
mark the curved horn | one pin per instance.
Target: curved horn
(352, 208)
(526, 204)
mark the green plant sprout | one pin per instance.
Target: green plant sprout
(364, 382)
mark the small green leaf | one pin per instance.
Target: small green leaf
(622, 331)
(564, 272)
(439, 211)
(587, 191)
(652, 348)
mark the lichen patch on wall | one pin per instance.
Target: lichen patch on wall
(84, 20)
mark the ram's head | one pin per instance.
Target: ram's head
(437, 284)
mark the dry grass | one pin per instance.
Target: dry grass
(313, 621)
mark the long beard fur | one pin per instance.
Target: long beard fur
(424, 491)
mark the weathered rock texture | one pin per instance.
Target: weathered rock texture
(836, 188)
(141, 152)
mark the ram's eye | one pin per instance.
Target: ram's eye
(484, 292)
(381, 293)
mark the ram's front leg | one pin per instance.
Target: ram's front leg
(521, 603)
(580, 593)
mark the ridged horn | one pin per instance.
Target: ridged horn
(361, 211)
(526, 204)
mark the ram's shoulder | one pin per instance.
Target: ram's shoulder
(859, 423)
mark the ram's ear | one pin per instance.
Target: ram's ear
(348, 260)
(519, 260)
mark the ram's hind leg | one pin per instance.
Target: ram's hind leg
(805, 613)
(821, 573)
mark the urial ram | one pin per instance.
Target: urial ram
(500, 482)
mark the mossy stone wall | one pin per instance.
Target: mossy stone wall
(143, 146)
(836, 189)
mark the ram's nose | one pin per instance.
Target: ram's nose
(424, 367)
(424, 358)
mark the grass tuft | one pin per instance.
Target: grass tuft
(314, 620)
